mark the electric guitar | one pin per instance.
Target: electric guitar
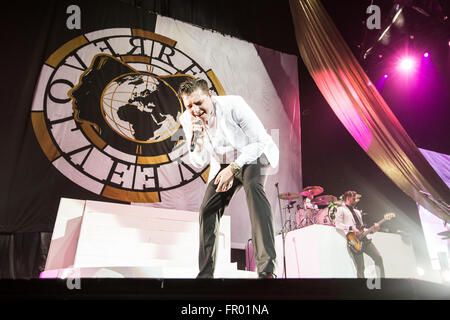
(355, 242)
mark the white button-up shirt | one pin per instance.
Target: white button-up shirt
(234, 134)
(344, 220)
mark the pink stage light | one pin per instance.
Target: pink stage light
(407, 64)
(426, 54)
(386, 75)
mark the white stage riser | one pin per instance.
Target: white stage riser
(92, 234)
(320, 251)
(138, 211)
(98, 232)
(101, 261)
(104, 249)
(144, 223)
(142, 272)
(115, 253)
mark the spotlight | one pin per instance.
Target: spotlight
(406, 64)
(426, 54)
(386, 75)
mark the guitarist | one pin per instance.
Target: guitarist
(348, 219)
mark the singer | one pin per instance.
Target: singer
(225, 132)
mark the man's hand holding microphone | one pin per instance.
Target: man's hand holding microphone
(198, 132)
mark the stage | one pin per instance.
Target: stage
(221, 289)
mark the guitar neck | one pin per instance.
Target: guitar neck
(365, 233)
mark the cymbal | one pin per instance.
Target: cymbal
(324, 200)
(289, 195)
(314, 191)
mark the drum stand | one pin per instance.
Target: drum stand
(291, 225)
(308, 219)
(283, 236)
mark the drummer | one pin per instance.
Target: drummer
(309, 193)
(307, 203)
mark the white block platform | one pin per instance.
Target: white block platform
(320, 251)
(101, 239)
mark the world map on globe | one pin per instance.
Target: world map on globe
(132, 108)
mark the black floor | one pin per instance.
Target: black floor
(221, 298)
(222, 289)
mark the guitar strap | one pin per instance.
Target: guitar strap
(358, 221)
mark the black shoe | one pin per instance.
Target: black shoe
(205, 276)
(266, 275)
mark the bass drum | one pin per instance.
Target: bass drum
(332, 213)
(322, 217)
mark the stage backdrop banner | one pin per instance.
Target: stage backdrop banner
(102, 120)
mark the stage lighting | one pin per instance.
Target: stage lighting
(386, 75)
(407, 64)
(426, 54)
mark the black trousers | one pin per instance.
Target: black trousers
(358, 258)
(213, 207)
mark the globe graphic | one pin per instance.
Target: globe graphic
(130, 107)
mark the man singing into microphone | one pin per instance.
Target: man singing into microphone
(225, 132)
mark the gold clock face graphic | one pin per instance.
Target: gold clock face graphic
(106, 111)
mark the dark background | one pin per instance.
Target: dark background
(331, 158)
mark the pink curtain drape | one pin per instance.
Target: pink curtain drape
(360, 107)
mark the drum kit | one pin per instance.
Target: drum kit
(314, 209)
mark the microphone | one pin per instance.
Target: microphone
(195, 136)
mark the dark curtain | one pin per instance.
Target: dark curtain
(247, 20)
(23, 255)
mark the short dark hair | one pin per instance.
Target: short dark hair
(192, 84)
(349, 194)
